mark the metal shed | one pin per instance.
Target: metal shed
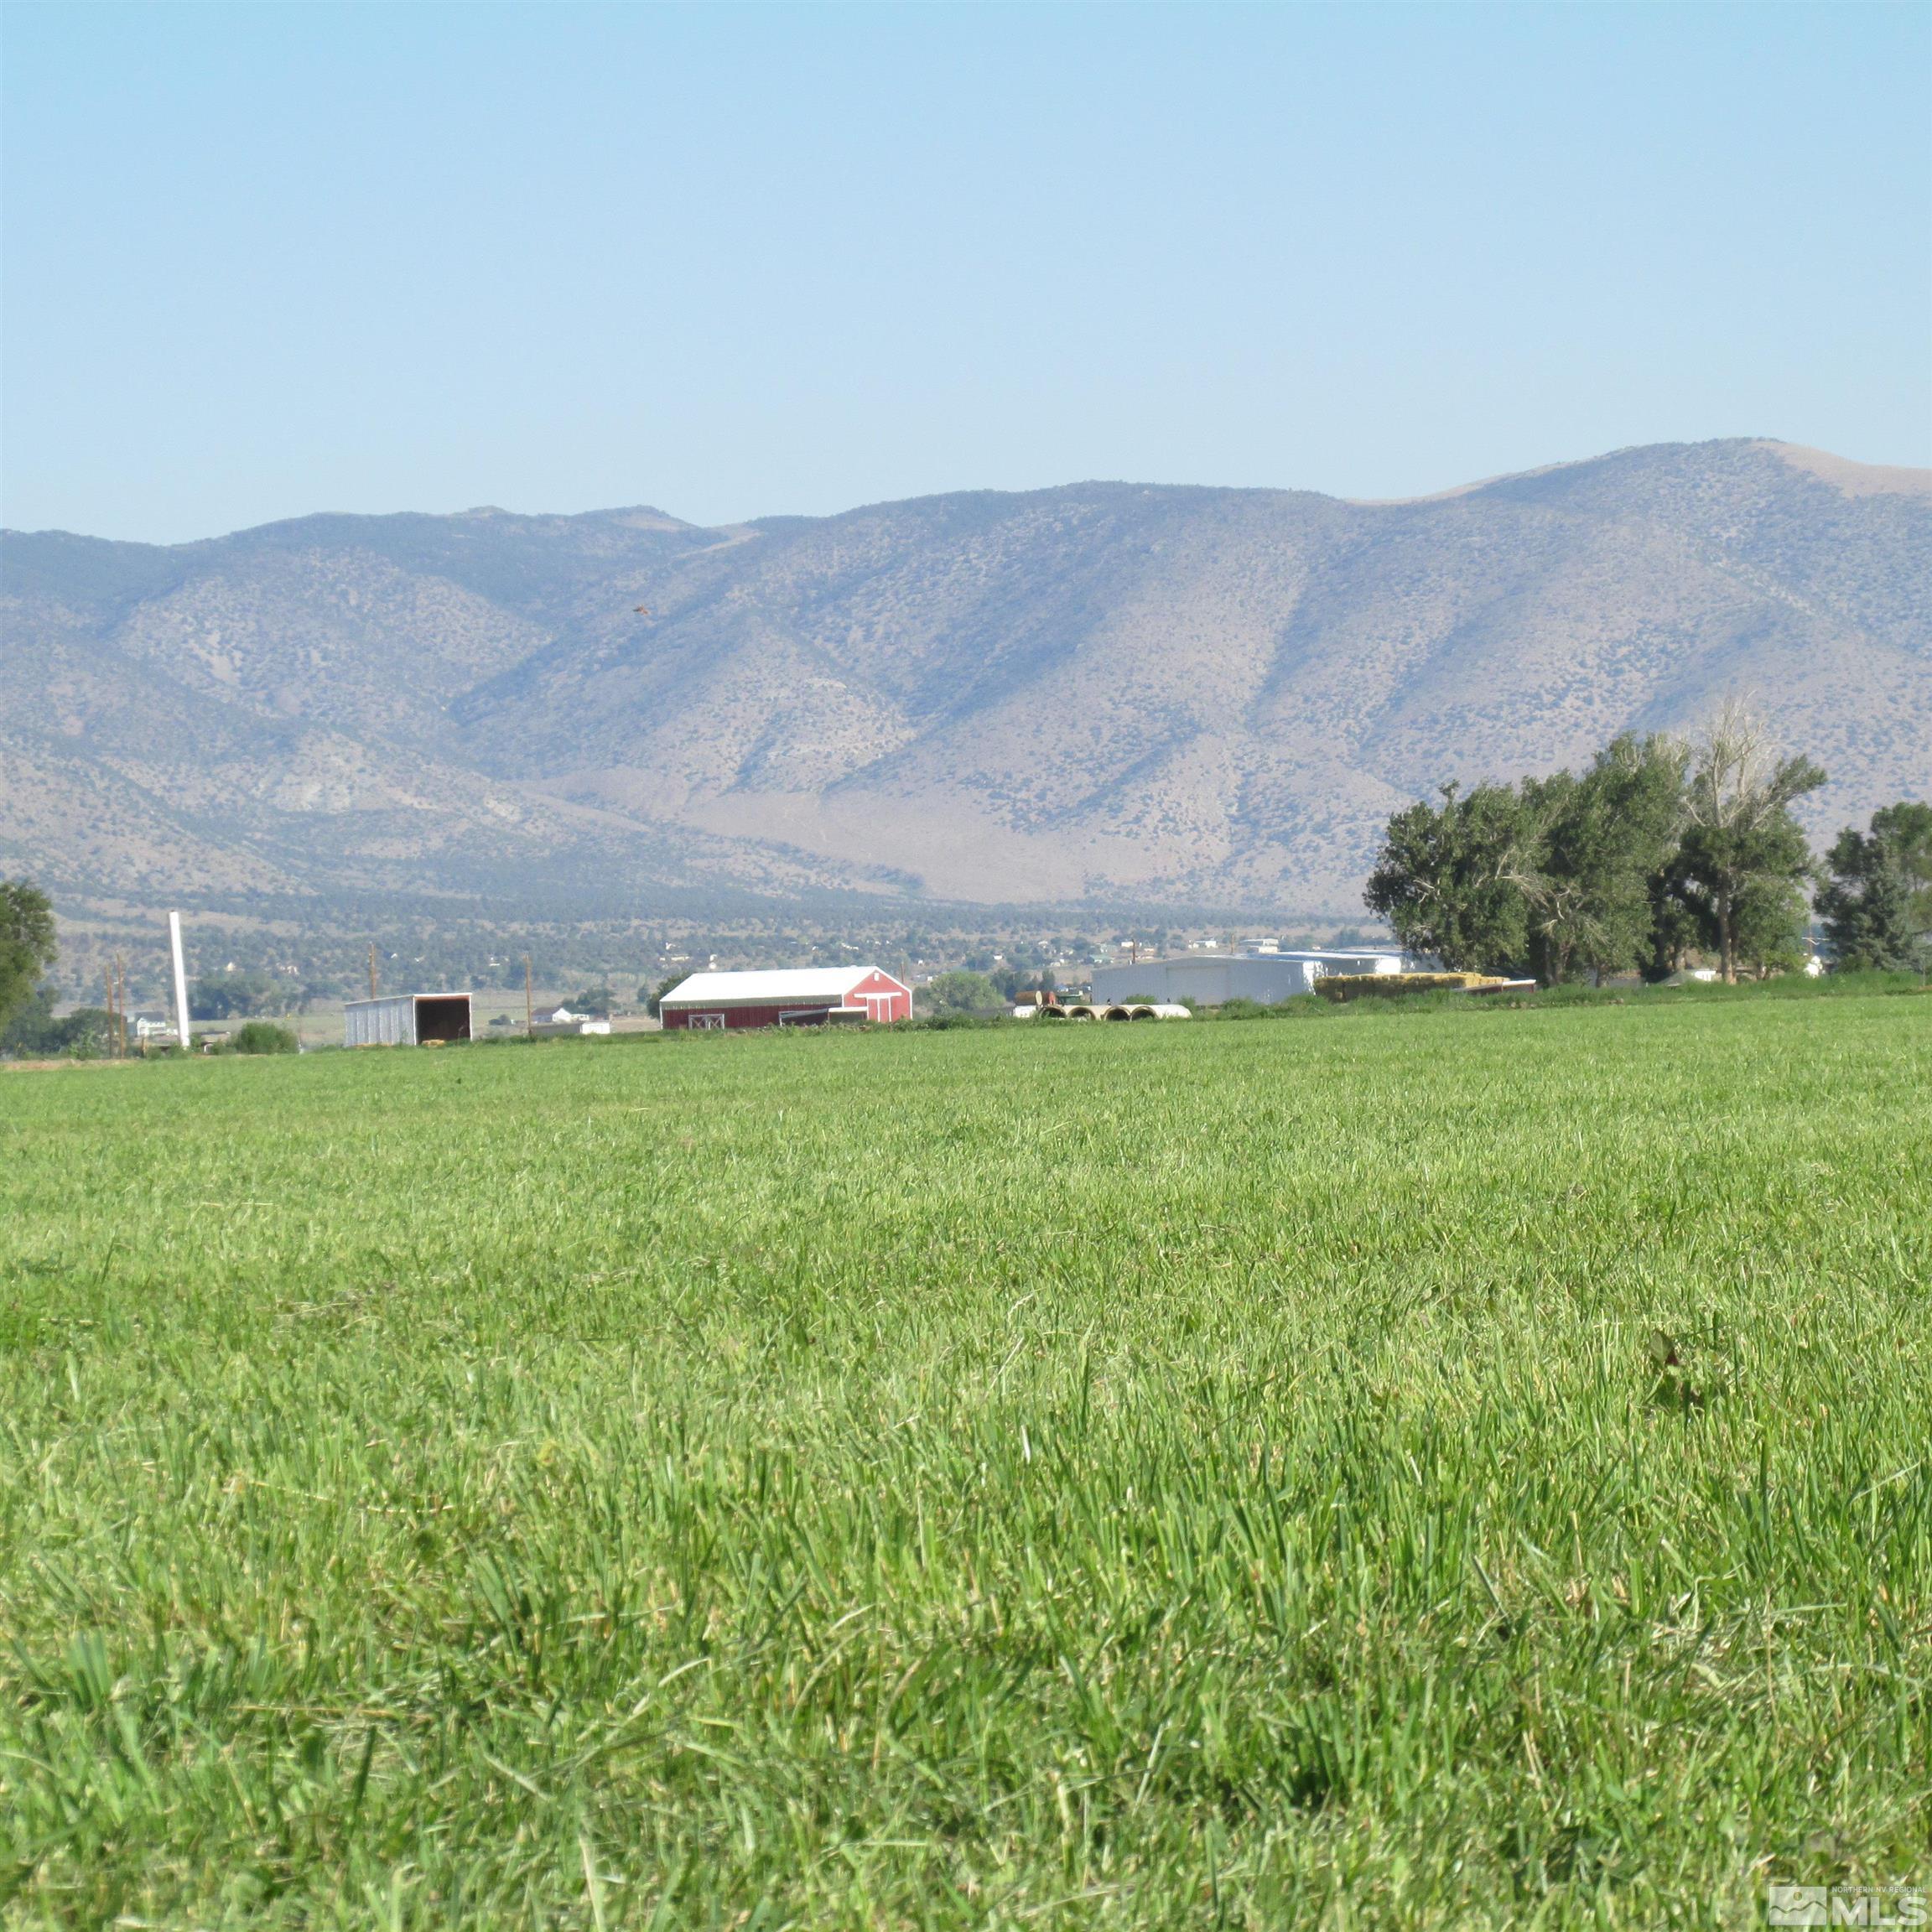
(1212, 978)
(406, 1019)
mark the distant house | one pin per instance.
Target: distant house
(1213, 979)
(837, 995)
(564, 1019)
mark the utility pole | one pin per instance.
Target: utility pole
(529, 1007)
(107, 980)
(121, 985)
(372, 968)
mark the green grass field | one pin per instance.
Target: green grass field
(1452, 1467)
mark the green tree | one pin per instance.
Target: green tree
(1448, 880)
(242, 996)
(1770, 920)
(1599, 841)
(1742, 848)
(82, 1034)
(27, 943)
(29, 1028)
(1878, 908)
(959, 993)
(1676, 930)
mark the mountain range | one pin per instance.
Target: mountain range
(1107, 692)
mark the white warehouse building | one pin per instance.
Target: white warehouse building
(1213, 979)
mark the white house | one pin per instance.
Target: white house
(566, 1021)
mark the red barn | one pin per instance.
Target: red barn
(812, 997)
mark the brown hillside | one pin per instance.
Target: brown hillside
(1109, 689)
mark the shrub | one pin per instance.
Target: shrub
(1392, 985)
(1296, 1006)
(263, 1037)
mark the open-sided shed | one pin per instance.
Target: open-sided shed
(406, 1019)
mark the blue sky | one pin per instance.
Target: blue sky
(737, 262)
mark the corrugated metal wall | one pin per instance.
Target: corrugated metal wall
(386, 1022)
(1211, 977)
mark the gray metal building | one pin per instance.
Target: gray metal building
(406, 1019)
(1213, 979)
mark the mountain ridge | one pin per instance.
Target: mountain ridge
(1098, 690)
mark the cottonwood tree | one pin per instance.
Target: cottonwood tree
(1600, 841)
(959, 993)
(1675, 929)
(653, 996)
(1447, 878)
(1877, 908)
(1743, 853)
(245, 995)
(27, 943)
(1768, 926)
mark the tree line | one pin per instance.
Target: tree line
(1663, 849)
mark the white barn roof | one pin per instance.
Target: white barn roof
(767, 989)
